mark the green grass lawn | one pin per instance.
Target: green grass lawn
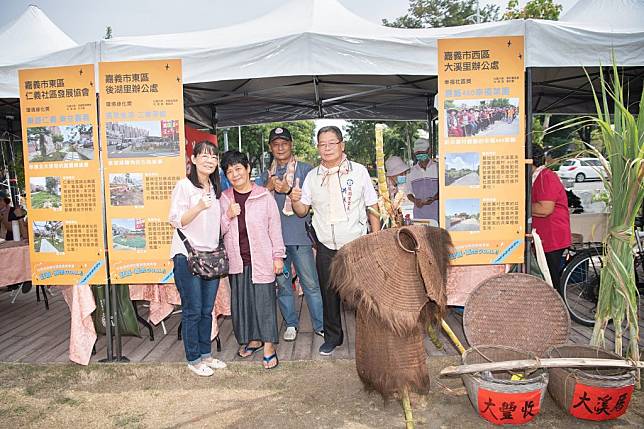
(38, 200)
(57, 243)
(135, 243)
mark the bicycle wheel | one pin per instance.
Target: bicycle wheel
(580, 286)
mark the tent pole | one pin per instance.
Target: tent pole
(528, 170)
(430, 128)
(318, 103)
(107, 311)
(5, 168)
(213, 118)
(14, 195)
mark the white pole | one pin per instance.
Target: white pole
(239, 136)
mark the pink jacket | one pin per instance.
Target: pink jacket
(264, 233)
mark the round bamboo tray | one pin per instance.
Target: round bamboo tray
(516, 310)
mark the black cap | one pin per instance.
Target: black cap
(280, 133)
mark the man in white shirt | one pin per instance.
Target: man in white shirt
(422, 184)
(339, 192)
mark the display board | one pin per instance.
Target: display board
(482, 147)
(142, 130)
(62, 175)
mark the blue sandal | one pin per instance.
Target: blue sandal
(267, 359)
(250, 350)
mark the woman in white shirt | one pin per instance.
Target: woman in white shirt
(195, 211)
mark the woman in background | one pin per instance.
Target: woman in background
(550, 214)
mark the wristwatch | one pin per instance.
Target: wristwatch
(289, 191)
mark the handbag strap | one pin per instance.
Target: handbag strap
(185, 241)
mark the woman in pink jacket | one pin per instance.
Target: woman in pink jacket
(250, 222)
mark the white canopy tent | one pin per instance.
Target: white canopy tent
(32, 40)
(31, 35)
(618, 15)
(328, 62)
(588, 35)
(314, 58)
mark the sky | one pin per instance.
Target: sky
(468, 205)
(462, 161)
(85, 20)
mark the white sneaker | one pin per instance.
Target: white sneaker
(214, 363)
(290, 334)
(201, 370)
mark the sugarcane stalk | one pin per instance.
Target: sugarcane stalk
(380, 163)
(622, 135)
(406, 404)
(452, 336)
(433, 336)
(387, 212)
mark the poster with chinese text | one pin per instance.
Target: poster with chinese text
(62, 175)
(481, 147)
(141, 105)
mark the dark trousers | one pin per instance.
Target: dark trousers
(554, 266)
(330, 298)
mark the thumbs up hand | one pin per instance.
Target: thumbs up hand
(281, 186)
(296, 192)
(206, 201)
(233, 210)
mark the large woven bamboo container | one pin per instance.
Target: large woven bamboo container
(590, 393)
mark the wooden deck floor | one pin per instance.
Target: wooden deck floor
(29, 333)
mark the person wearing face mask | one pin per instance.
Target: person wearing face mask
(396, 171)
(422, 184)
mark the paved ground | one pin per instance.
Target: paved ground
(595, 185)
(469, 180)
(501, 128)
(466, 225)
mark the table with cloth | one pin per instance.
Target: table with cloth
(14, 262)
(15, 268)
(162, 299)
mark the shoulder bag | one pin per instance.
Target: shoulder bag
(208, 265)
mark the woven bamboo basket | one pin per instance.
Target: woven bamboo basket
(516, 310)
(600, 382)
(500, 381)
(389, 363)
(395, 278)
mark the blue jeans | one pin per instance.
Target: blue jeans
(197, 301)
(302, 257)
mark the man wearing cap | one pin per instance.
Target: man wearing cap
(422, 183)
(280, 178)
(339, 191)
